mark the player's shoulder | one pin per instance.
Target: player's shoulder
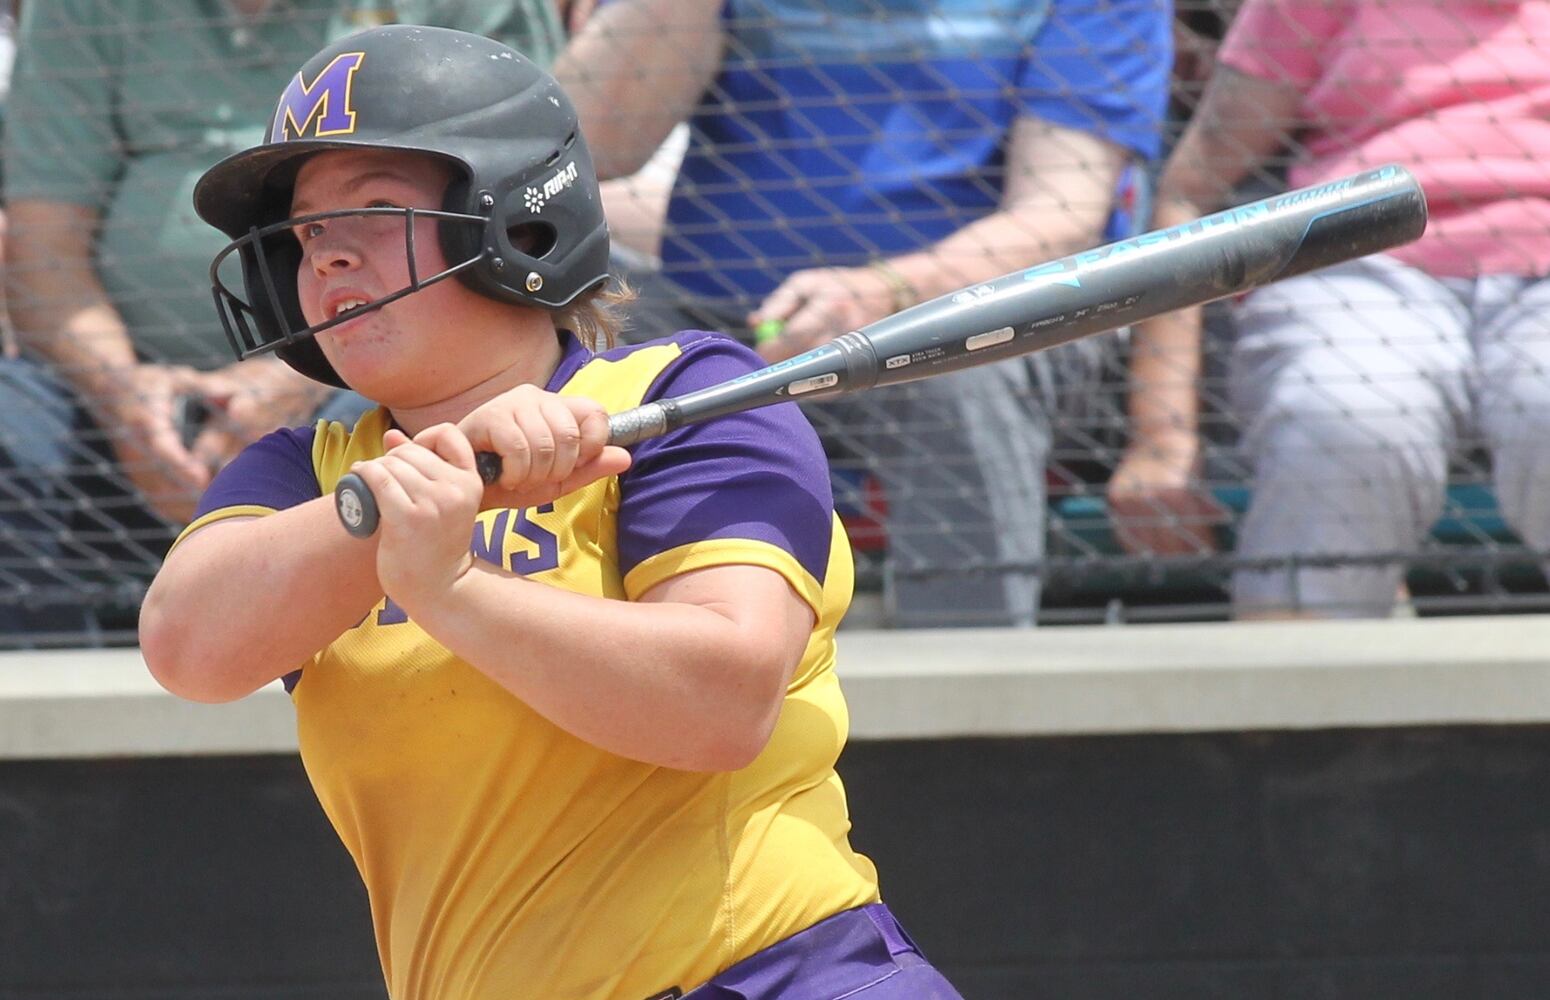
(277, 471)
(324, 448)
(280, 449)
(687, 360)
(287, 440)
(370, 424)
(694, 344)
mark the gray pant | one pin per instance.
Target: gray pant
(1356, 386)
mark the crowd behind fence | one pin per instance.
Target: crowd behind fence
(1364, 441)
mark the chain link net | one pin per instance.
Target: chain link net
(882, 144)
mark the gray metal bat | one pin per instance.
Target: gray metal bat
(1086, 293)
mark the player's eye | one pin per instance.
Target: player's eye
(309, 231)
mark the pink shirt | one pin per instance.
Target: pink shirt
(1457, 91)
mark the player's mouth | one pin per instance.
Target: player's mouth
(344, 304)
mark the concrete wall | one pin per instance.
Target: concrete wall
(1180, 811)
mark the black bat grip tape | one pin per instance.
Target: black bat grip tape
(358, 511)
(357, 508)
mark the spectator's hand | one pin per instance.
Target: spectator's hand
(245, 401)
(143, 421)
(1157, 504)
(814, 306)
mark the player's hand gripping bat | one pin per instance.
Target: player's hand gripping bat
(1044, 306)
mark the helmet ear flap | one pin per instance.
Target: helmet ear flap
(501, 249)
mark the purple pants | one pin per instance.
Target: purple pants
(861, 953)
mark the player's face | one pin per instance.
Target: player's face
(415, 350)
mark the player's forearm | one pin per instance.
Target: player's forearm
(57, 303)
(675, 685)
(240, 603)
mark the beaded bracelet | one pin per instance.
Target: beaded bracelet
(904, 294)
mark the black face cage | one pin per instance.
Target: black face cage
(270, 317)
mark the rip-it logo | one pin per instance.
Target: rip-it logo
(535, 198)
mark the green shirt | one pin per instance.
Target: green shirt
(121, 105)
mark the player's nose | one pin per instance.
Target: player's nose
(330, 256)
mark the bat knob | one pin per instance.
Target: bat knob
(356, 507)
(489, 465)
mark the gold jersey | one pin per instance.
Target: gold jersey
(505, 858)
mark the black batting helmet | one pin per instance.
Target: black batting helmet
(522, 221)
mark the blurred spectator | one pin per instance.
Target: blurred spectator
(1355, 386)
(636, 206)
(847, 160)
(1198, 27)
(7, 58)
(574, 13)
(125, 401)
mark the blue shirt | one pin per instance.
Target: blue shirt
(841, 130)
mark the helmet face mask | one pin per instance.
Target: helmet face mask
(265, 315)
(521, 221)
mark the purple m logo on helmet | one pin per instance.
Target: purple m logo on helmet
(321, 107)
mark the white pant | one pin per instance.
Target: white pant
(1355, 385)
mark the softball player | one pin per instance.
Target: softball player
(578, 728)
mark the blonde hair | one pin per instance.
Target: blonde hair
(598, 317)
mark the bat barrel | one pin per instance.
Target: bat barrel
(1135, 279)
(1110, 286)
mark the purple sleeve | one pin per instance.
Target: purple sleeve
(757, 475)
(275, 471)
